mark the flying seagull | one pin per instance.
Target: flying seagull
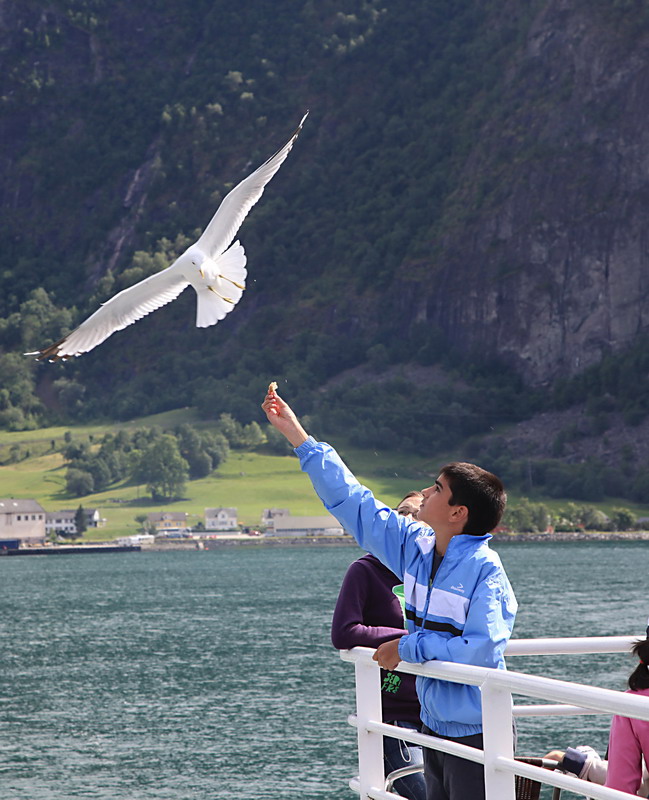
(216, 271)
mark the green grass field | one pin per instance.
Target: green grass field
(247, 481)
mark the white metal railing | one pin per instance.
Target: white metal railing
(498, 710)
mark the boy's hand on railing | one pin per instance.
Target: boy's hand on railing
(281, 416)
(387, 654)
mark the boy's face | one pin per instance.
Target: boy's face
(435, 509)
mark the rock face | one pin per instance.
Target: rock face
(551, 270)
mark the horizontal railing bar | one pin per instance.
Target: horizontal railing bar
(552, 710)
(434, 742)
(573, 645)
(423, 739)
(560, 779)
(377, 794)
(532, 710)
(590, 697)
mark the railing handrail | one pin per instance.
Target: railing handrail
(568, 646)
(497, 687)
(609, 701)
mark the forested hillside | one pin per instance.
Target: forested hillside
(455, 244)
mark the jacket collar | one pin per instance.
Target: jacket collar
(463, 543)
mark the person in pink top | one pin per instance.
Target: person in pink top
(629, 738)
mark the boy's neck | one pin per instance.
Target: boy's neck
(442, 539)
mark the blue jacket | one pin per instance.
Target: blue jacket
(466, 616)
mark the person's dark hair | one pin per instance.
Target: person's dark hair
(480, 491)
(639, 678)
(410, 503)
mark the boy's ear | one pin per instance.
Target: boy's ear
(459, 514)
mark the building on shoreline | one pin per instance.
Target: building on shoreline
(221, 519)
(22, 519)
(270, 514)
(168, 521)
(64, 522)
(324, 525)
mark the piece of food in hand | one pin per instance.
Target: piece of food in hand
(272, 387)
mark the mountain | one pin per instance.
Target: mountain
(467, 198)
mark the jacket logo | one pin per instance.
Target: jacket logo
(458, 588)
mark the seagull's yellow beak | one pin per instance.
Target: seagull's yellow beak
(200, 269)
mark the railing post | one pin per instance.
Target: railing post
(498, 734)
(370, 745)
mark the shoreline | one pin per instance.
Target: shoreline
(347, 541)
(574, 536)
(309, 541)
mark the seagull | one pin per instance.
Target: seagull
(216, 271)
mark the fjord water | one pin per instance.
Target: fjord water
(188, 676)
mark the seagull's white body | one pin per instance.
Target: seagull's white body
(216, 271)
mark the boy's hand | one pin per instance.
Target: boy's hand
(281, 416)
(387, 654)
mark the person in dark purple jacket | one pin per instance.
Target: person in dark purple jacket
(367, 614)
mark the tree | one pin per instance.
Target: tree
(163, 469)
(623, 519)
(253, 436)
(231, 429)
(216, 446)
(596, 520)
(71, 394)
(78, 482)
(277, 442)
(80, 521)
(145, 525)
(192, 449)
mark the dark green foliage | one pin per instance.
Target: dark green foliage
(277, 442)
(619, 382)
(139, 457)
(203, 451)
(403, 414)
(162, 468)
(79, 482)
(80, 521)
(527, 517)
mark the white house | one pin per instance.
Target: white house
(64, 521)
(22, 519)
(326, 525)
(221, 519)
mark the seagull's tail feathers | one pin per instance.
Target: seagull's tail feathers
(232, 266)
(225, 290)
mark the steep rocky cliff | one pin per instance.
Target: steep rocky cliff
(550, 266)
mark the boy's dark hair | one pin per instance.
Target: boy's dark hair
(639, 678)
(480, 491)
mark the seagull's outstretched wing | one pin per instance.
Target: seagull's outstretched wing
(224, 225)
(120, 311)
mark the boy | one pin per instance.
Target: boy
(459, 604)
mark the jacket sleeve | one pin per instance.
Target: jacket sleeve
(488, 626)
(376, 528)
(348, 628)
(624, 757)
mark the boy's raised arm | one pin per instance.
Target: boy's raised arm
(281, 416)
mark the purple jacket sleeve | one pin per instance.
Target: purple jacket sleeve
(347, 627)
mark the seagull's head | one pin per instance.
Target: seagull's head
(198, 260)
